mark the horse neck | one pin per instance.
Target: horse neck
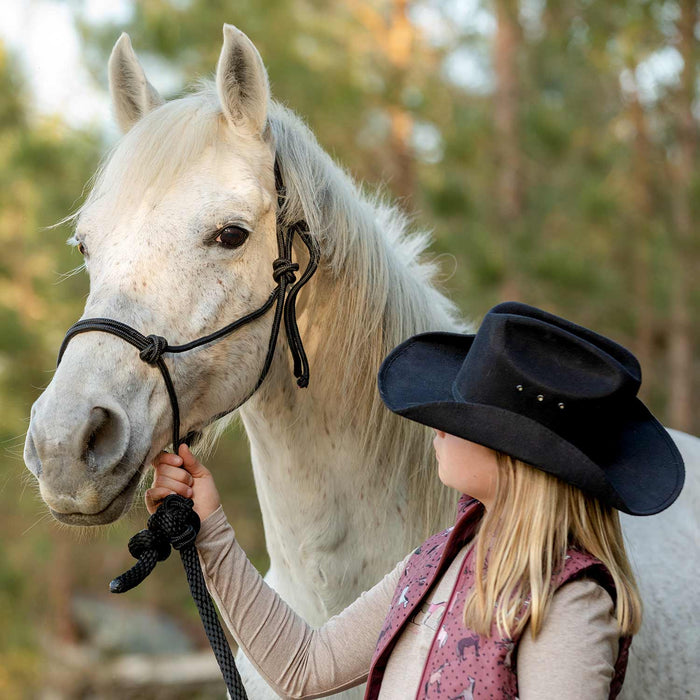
(335, 441)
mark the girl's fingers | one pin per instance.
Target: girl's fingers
(190, 463)
(154, 496)
(168, 458)
(157, 493)
(172, 485)
(177, 473)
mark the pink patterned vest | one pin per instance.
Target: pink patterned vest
(460, 663)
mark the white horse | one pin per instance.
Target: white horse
(346, 488)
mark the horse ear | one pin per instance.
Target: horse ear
(242, 82)
(132, 95)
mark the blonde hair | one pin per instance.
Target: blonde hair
(522, 540)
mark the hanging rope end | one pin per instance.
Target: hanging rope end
(117, 586)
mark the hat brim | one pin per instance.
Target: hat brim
(640, 471)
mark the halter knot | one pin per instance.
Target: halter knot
(175, 523)
(152, 352)
(283, 266)
(176, 520)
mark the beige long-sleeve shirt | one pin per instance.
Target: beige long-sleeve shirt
(573, 656)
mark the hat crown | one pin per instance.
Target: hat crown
(616, 351)
(516, 352)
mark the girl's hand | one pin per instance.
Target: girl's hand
(195, 481)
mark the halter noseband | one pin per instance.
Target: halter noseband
(153, 347)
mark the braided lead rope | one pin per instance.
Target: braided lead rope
(176, 523)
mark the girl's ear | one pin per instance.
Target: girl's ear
(132, 95)
(242, 82)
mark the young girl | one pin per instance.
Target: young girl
(530, 593)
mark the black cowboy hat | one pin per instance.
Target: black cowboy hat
(547, 391)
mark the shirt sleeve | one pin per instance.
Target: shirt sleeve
(296, 660)
(575, 652)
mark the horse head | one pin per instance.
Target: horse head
(179, 238)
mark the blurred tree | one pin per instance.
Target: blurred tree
(684, 176)
(506, 109)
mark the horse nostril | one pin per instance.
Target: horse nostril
(31, 456)
(106, 439)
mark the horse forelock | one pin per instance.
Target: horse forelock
(155, 152)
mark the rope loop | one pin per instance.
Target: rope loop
(284, 266)
(147, 540)
(152, 352)
(185, 539)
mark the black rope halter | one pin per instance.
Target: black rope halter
(175, 522)
(153, 347)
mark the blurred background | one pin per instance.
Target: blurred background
(550, 145)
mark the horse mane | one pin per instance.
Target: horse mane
(376, 285)
(382, 292)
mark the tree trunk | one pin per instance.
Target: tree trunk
(680, 343)
(398, 48)
(643, 208)
(509, 186)
(61, 588)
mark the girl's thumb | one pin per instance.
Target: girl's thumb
(190, 462)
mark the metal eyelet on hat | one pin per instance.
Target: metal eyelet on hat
(540, 397)
(560, 404)
(519, 387)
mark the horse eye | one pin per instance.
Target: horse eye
(82, 248)
(231, 236)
